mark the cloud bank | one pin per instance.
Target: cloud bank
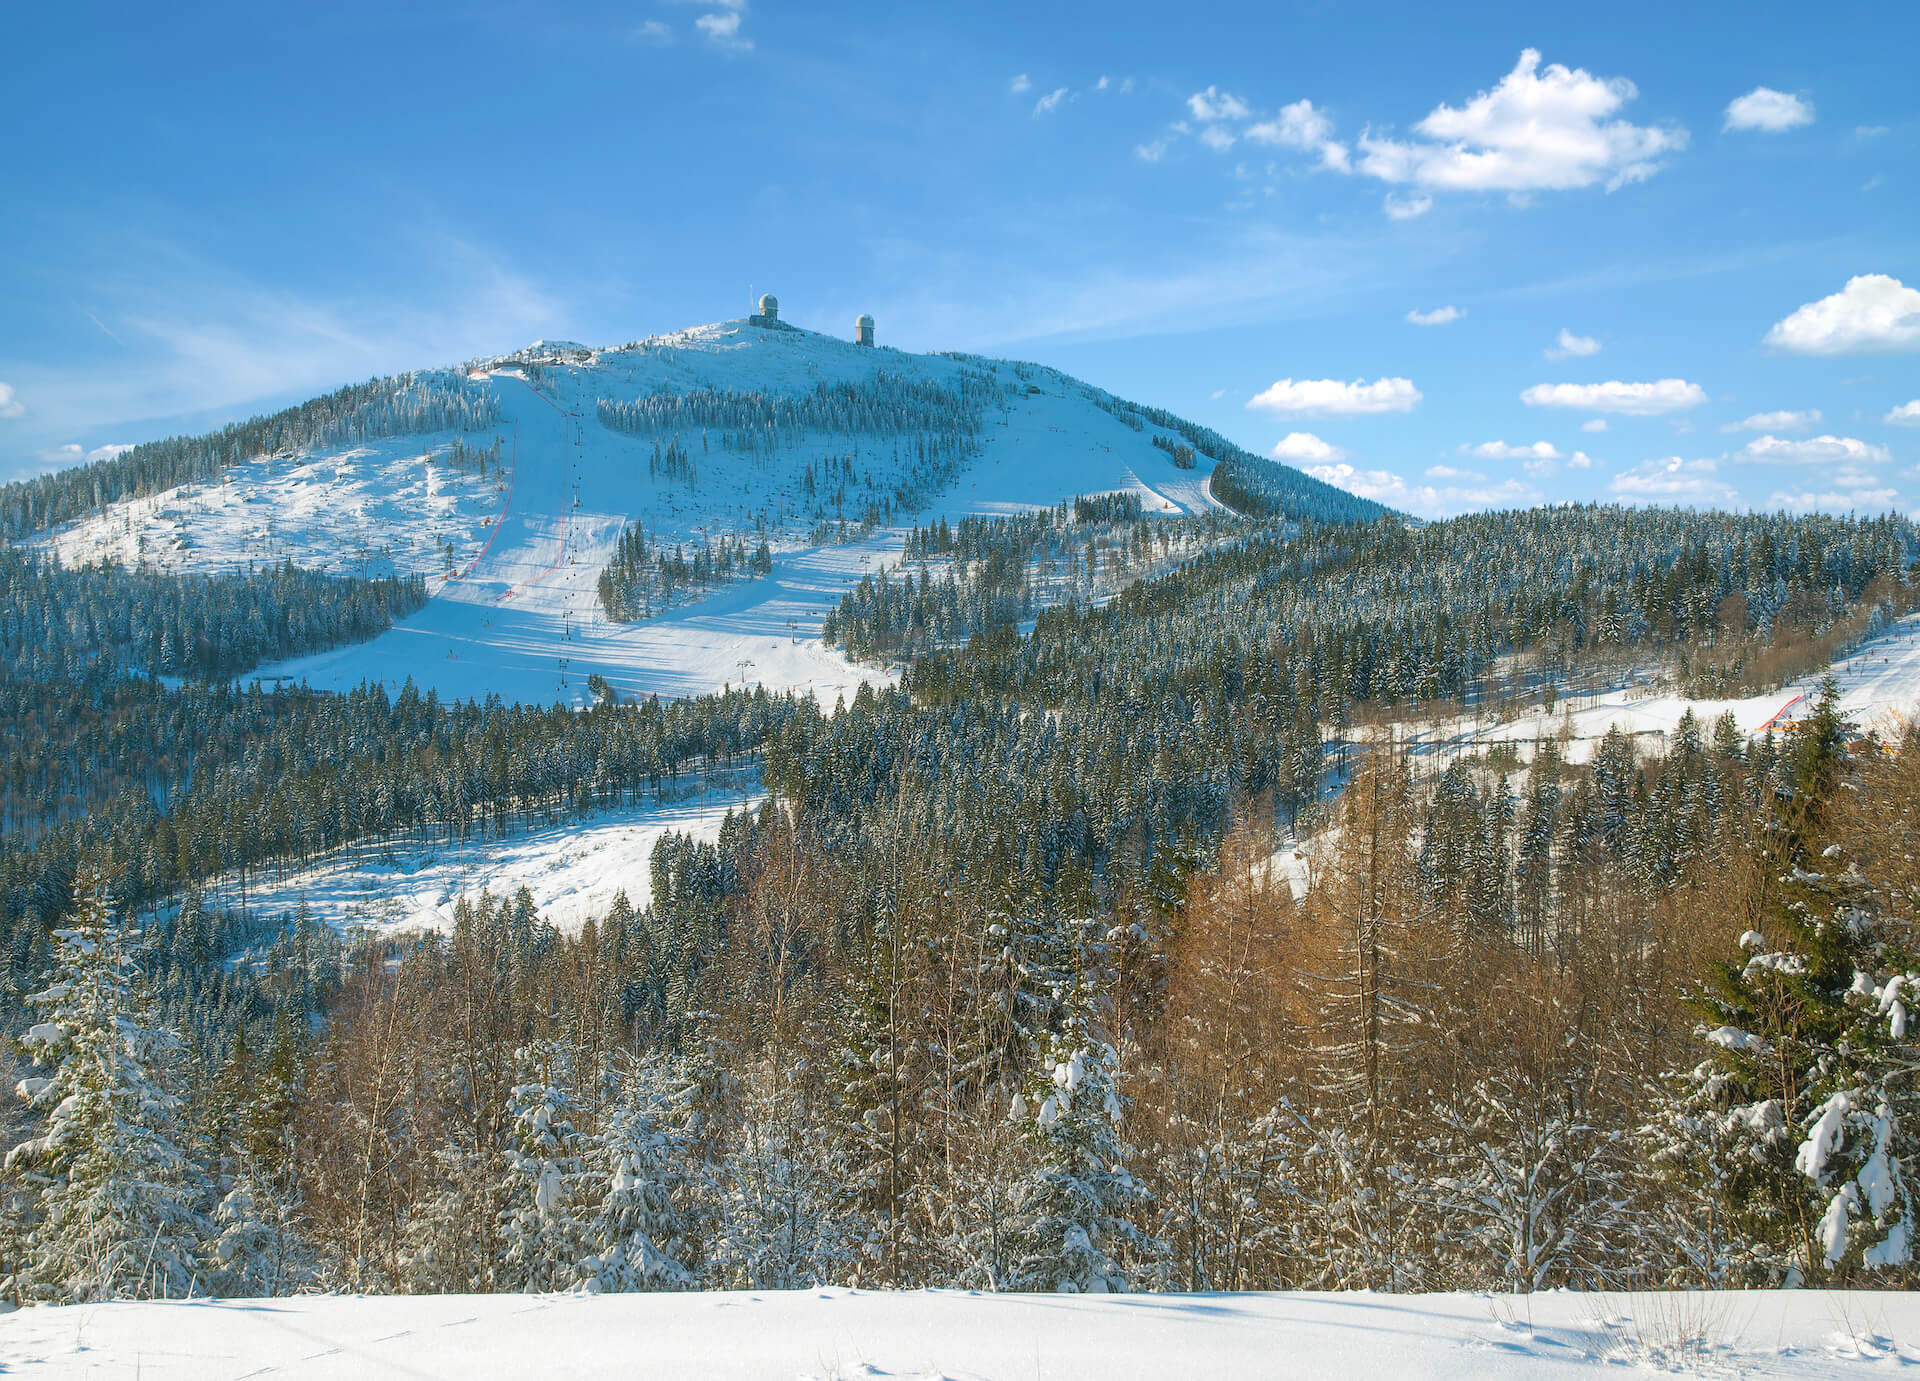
(1632, 400)
(1335, 398)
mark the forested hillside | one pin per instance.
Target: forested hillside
(1006, 985)
(98, 622)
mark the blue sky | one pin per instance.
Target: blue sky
(1664, 253)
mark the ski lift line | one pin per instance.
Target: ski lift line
(513, 470)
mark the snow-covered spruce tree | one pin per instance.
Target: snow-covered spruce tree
(113, 1206)
(1071, 1224)
(451, 1242)
(643, 1236)
(1801, 1120)
(779, 1218)
(258, 1250)
(547, 1193)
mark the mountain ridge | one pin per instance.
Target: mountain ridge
(512, 479)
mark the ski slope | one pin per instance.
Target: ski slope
(841, 1335)
(515, 558)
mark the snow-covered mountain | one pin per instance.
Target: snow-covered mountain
(740, 431)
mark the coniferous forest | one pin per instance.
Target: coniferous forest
(1006, 986)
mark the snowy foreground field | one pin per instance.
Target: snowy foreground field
(835, 1334)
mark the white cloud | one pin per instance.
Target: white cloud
(1594, 424)
(1870, 131)
(1499, 450)
(1571, 346)
(1439, 316)
(723, 26)
(1102, 84)
(1335, 398)
(1579, 460)
(1051, 102)
(109, 451)
(1218, 393)
(653, 31)
(1874, 312)
(1306, 446)
(1462, 492)
(1784, 421)
(1813, 450)
(10, 406)
(1297, 126)
(1906, 415)
(1769, 111)
(1020, 84)
(1536, 131)
(1303, 126)
(1215, 104)
(1634, 400)
(1408, 208)
(1217, 137)
(1674, 480)
(1154, 152)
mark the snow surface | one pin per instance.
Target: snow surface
(520, 616)
(573, 869)
(740, 1336)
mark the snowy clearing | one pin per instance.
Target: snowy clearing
(958, 1336)
(573, 869)
(1879, 689)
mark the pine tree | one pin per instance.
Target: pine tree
(114, 1212)
(257, 1250)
